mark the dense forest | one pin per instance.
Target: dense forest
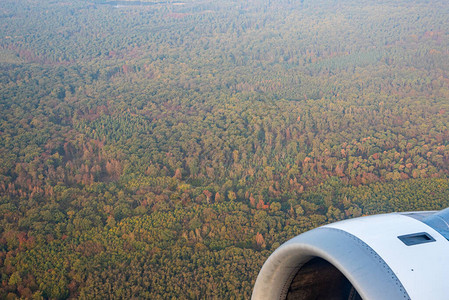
(165, 149)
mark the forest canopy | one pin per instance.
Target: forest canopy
(155, 149)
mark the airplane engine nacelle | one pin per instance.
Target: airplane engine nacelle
(390, 256)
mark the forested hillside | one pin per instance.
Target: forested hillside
(165, 149)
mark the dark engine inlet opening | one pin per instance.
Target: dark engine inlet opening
(320, 280)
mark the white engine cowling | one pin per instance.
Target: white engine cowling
(390, 256)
